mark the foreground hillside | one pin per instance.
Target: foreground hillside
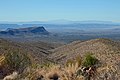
(18, 52)
(97, 59)
(39, 50)
(104, 49)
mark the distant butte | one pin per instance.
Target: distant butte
(29, 30)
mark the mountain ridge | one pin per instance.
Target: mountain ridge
(100, 48)
(60, 21)
(29, 30)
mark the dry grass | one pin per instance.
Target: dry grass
(63, 73)
(109, 72)
(69, 72)
(2, 58)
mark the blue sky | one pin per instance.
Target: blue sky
(44, 10)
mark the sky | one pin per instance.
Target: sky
(45, 10)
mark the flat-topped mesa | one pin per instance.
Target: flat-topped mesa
(29, 30)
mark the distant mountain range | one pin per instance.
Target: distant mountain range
(61, 21)
(63, 27)
(29, 30)
(73, 30)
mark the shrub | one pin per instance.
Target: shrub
(17, 61)
(89, 60)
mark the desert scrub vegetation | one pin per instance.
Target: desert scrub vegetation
(72, 70)
(17, 61)
(107, 72)
(13, 61)
(79, 68)
(89, 60)
(52, 71)
(83, 66)
(76, 60)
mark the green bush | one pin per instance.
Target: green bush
(89, 60)
(17, 61)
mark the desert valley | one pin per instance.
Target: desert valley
(59, 39)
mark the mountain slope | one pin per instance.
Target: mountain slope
(16, 56)
(105, 50)
(38, 50)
